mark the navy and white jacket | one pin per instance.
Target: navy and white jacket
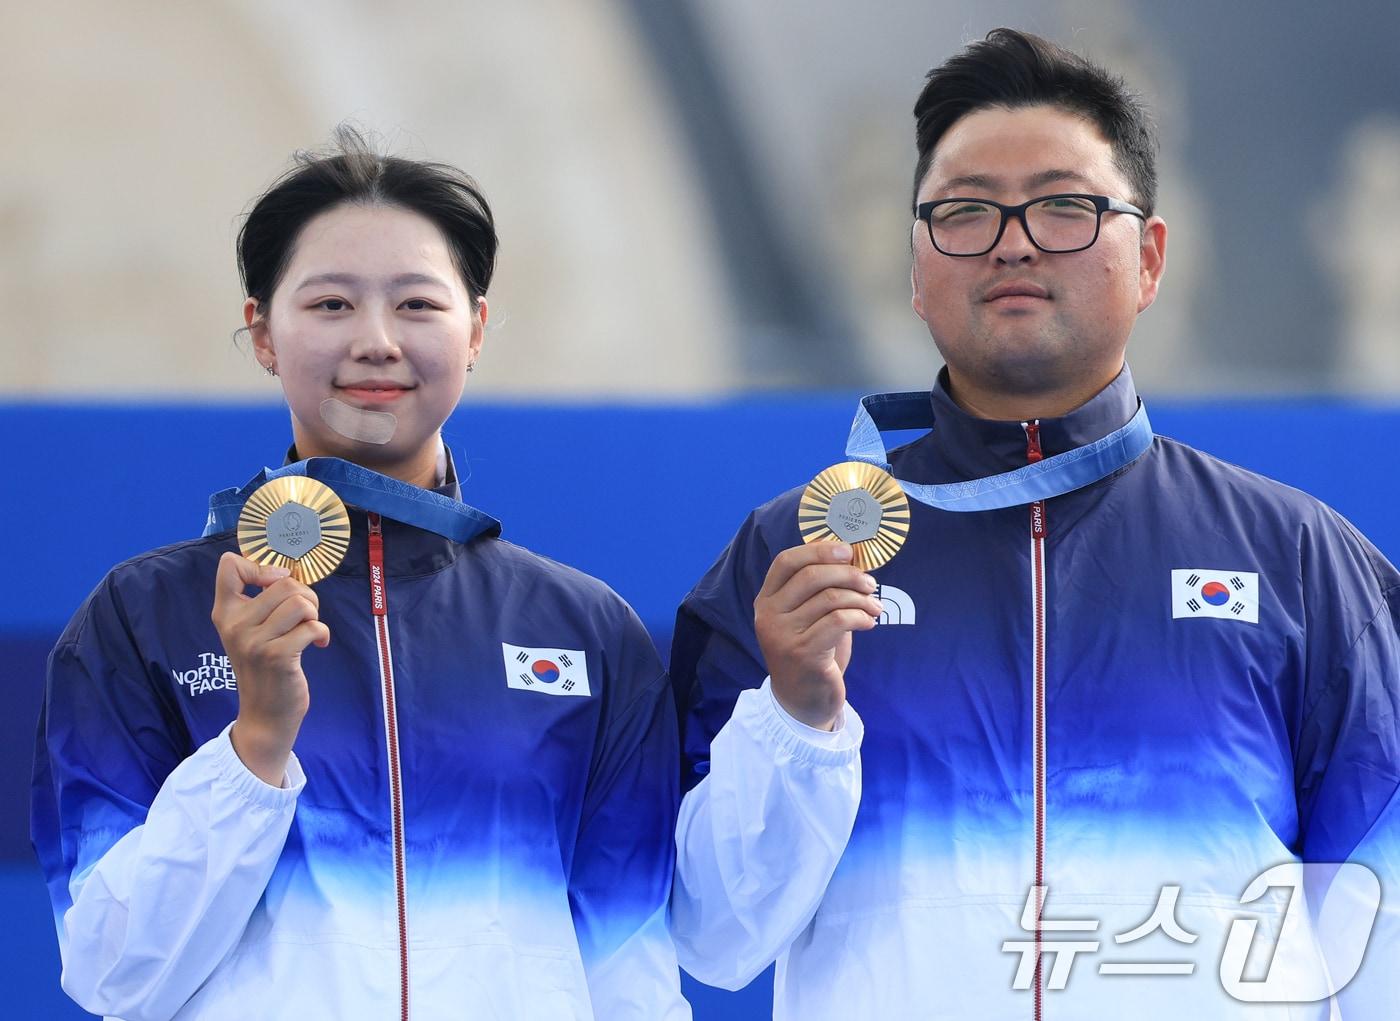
(457, 837)
(1184, 676)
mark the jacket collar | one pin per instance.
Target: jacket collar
(408, 551)
(450, 487)
(962, 447)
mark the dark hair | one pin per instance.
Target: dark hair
(1013, 69)
(352, 172)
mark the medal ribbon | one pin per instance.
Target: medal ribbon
(368, 490)
(1051, 477)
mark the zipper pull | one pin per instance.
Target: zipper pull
(1033, 453)
(378, 599)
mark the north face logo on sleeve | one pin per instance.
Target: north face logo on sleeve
(549, 671)
(1211, 592)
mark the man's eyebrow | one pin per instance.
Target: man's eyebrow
(971, 181)
(351, 280)
(1055, 177)
(989, 182)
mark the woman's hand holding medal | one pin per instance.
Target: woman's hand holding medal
(264, 637)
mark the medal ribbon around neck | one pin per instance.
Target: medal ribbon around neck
(367, 490)
(1054, 476)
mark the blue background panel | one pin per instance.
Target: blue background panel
(643, 496)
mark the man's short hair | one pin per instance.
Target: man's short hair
(1014, 69)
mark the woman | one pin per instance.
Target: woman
(447, 839)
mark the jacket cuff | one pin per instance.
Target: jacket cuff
(229, 768)
(836, 737)
(759, 713)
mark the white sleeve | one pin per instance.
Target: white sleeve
(759, 838)
(155, 915)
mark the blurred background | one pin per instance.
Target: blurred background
(693, 197)
(705, 225)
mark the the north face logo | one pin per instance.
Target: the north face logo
(214, 673)
(896, 605)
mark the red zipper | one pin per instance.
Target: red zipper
(1038, 530)
(379, 607)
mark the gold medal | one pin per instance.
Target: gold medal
(856, 503)
(296, 523)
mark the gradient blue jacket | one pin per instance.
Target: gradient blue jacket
(1190, 677)
(457, 837)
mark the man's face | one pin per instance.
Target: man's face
(1068, 332)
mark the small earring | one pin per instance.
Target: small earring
(271, 370)
(471, 366)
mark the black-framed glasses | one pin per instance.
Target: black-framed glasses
(1054, 223)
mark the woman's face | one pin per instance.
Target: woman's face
(371, 331)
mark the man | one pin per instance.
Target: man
(1101, 703)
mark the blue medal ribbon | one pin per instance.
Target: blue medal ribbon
(1051, 477)
(365, 489)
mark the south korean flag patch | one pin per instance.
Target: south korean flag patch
(1210, 592)
(549, 671)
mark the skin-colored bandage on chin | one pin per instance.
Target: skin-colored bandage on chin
(358, 424)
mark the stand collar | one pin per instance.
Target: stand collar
(450, 486)
(962, 447)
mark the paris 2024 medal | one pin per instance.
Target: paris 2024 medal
(859, 504)
(296, 523)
